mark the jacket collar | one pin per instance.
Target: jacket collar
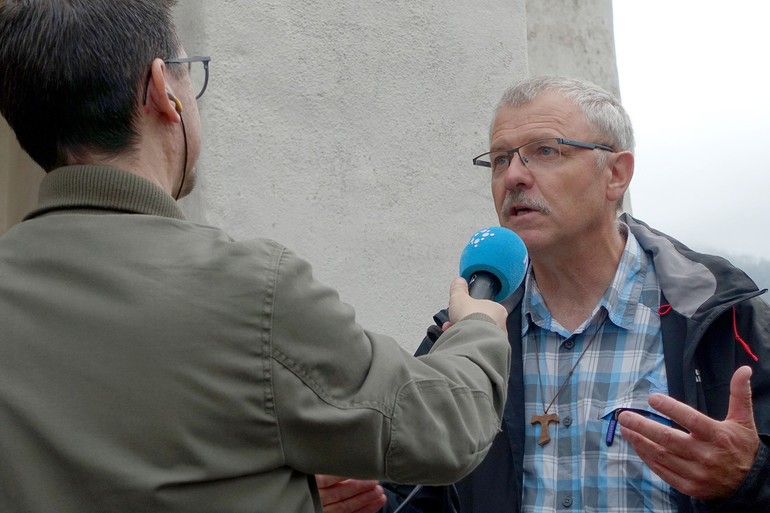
(92, 189)
(711, 281)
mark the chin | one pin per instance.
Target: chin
(509, 222)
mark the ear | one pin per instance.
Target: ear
(158, 97)
(622, 168)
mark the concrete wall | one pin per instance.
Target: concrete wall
(345, 130)
(19, 178)
(573, 38)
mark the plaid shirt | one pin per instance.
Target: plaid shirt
(577, 470)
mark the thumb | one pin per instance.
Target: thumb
(740, 409)
(458, 299)
(459, 286)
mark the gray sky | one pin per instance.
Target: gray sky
(695, 79)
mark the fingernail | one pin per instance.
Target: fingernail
(655, 400)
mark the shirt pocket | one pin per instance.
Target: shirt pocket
(633, 399)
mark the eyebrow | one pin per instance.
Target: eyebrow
(508, 147)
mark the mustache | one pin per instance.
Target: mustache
(521, 199)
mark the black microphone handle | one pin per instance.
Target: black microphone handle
(484, 285)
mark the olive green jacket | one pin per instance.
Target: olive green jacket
(149, 364)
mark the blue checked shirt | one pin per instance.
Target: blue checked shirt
(577, 470)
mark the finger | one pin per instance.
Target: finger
(325, 480)
(367, 502)
(673, 455)
(656, 437)
(346, 489)
(699, 425)
(739, 409)
(446, 326)
(650, 453)
(682, 475)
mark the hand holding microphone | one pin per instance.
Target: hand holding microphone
(493, 263)
(462, 304)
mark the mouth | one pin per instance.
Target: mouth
(521, 211)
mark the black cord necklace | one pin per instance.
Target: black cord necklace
(546, 418)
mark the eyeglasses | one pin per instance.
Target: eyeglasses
(199, 75)
(542, 154)
(198, 69)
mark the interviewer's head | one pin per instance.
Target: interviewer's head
(73, 72)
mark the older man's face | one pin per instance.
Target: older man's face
(549, 209)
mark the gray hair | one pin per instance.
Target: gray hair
(603, 112)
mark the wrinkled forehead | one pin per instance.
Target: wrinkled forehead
(547, 115)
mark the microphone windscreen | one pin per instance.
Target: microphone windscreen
(498, 251)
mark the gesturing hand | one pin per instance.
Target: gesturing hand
(341, 495)
(711, 460)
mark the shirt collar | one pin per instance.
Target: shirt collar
(102, 190)
(618, 300)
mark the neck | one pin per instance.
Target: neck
(154, 158)
(572, 281)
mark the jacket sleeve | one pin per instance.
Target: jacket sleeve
(423, 499)
(753, 496)
(351, 402)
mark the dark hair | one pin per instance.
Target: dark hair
(73, 72)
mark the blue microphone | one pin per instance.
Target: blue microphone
(493, 263)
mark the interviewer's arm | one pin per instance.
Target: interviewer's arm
(352, 402)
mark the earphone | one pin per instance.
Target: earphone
(175, 100)
(181, 119)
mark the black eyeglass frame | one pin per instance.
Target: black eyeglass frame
(568, 142)
(205, 60)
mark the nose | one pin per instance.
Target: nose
(518, 175)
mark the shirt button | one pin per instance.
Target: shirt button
(567, 502)
(567, 422)
(569, 344)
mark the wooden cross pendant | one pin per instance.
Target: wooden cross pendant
(544, 420)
